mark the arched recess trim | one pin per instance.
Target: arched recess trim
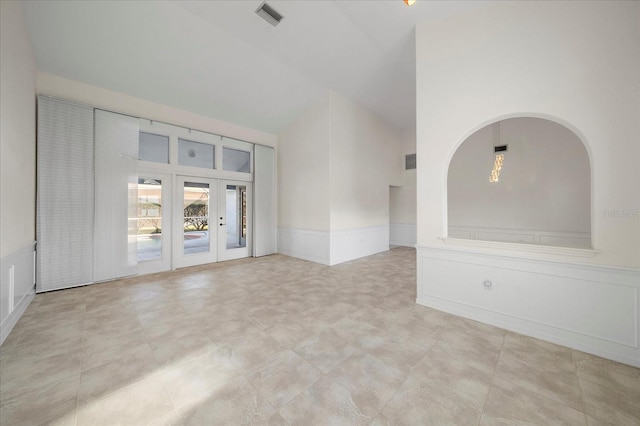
(545, 196)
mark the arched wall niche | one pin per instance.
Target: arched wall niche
(542, 194)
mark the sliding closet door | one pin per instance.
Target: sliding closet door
(264, 234)
(116, 195)
(64, 218)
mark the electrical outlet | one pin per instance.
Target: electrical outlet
(488, 285)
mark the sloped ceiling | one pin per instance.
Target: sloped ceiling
(219, 59)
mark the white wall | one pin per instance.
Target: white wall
(402, 197)
(303, 170)
(17, 164)
(334, 167)
(51, 85)
(544, 184)
(577, 63)
(363, 159)
(18, 131)
(545, 59)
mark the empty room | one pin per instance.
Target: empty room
(319, 212)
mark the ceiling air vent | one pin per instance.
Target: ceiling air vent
(269, 14)
(410, 162)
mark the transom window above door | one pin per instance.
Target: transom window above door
(167, 148)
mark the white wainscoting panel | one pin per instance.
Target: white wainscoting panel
(304, 244)
(402, 234)
(355, 243)
(591, 308)
(17, 287)
(527, 236)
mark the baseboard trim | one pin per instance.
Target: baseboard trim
(333, 247)
(350, 244)
(402, 234)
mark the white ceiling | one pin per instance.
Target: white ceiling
(219, 59)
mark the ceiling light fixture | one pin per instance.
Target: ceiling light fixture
(409, 2)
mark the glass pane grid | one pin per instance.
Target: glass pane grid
(196, 154)
(234, 160)
(154, 148)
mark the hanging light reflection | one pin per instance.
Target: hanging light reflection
(497, 166)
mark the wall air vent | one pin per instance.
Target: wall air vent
(500, 148)
(269, 14)
(410, 162)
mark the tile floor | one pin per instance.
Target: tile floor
(278, 341)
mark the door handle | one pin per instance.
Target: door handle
(222, 224)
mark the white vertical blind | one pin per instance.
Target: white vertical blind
(64, 219)
(116, 182)
(264, 189)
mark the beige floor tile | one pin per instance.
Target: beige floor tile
(21, 375)
(49, 345)
(196, 379)
(174, 418)
(249, 353)
(400, 352)
(283, 377)
(325, 350)
(360, 333)
(234, 403)
(509, 404)
(292, 333)
(327, 403)
(537, 352)
(481, 350)
(369, 380)
(418, 403)
(277, 420)
(444, 369)
(231, 329)
(179, 344)
(140, 403)
(610, 406)
(125, 346)
(40, 404)
(111, 377)
(544, 379)
(608, 373)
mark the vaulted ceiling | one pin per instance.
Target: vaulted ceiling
(219, 59)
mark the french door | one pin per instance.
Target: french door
(212, 221)
(195, 231)
(234, 219)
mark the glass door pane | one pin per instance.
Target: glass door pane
(196, 217)
(152, 222)
(149, 219)
(195, 228)
(234, 211)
